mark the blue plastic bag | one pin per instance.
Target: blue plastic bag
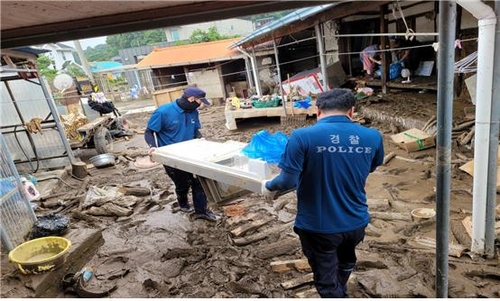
(303, 104)
(265, 146)
(395, 70)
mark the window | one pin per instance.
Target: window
(175, 34)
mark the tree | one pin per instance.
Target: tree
(138, 38)
(45, 67)
(200, 36)
(114, 43)
(102, 52)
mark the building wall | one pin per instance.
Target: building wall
(208, 80)
(58, 55)
(224, 27)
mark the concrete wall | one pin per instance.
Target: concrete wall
(208, 80)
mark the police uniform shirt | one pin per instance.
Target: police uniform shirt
(335, 157)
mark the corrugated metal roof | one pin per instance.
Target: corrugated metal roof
(191, 54)
(298, 15)
(31, 50)
(100, 66)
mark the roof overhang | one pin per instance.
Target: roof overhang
(25, 23)
(188, 63)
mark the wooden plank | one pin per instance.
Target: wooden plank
(238, 219)
(93, 124)
(460, 234)
(251, 226)
(467, 222)
(454, 250)
(388, 158)
(242, 241)
(377, 203)
(391, 216)
(310, 293)
(412, 160)
(232, 115)
(287, 246)
(292, 283)
(287, 265)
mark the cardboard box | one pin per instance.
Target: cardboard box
(469, 168)
(413, 140)
(167, 95)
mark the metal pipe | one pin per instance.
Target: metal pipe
(494, 131)
(42, 159)
(85, 64)
(55, 114)
(387, 34)
(254, 70)
(256, 73)
(446, 61)
(277, 66)
(249, 73)
(44, 125)
(482, 139)
(137, 78)
(322, 60)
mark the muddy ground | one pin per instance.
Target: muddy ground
(160, 252)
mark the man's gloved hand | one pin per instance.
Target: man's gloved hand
(268, 194)
(150, 153)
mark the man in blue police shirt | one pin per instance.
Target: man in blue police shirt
(329, 163)
(176, 122)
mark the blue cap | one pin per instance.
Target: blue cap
(196, 92)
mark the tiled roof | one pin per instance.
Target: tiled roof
(191, 54)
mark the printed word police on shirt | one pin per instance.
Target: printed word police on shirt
(353, 148)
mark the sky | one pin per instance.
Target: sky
(92, 42)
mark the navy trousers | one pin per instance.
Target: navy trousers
(332, 258)
(183, 181)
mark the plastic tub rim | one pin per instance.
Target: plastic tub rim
(64, 251)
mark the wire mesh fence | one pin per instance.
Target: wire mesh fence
(16, 214)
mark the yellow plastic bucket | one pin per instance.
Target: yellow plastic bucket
(40, 255)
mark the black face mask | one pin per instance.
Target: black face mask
(186, 105)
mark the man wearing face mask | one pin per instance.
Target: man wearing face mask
(176, 122)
